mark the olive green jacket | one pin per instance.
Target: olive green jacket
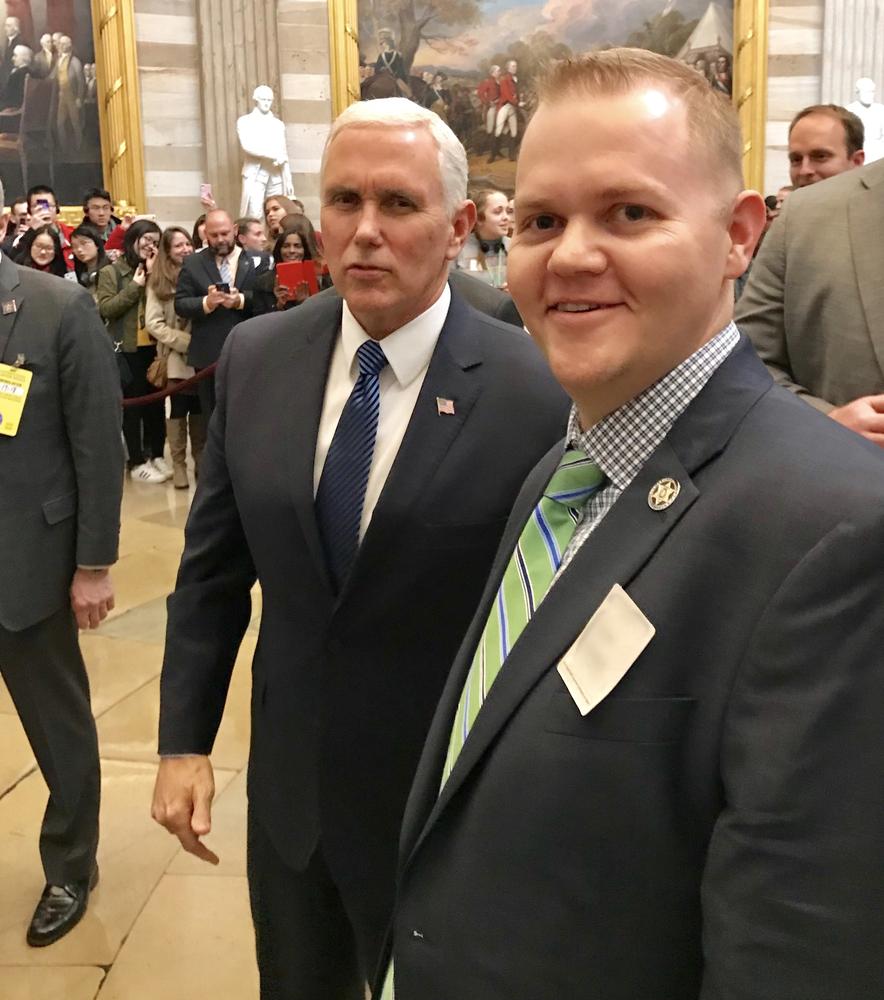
(121, 303)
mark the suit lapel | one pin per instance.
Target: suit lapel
(309, 359)
(243, 266)
(616, 551)
(865, 215)
(454, 374)
(10, 292)
(213, 275)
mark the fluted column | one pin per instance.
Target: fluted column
(238, 51)
(853, 46)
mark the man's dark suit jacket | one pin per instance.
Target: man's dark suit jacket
(714, 829)
(210, 330)
(344, 688)
(485, 297)
(62, 474)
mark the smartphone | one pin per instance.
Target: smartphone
(292, 272)
(206, 192)
(43, 205)
(222, 286)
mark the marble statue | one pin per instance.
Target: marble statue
(265, 169)
(871, 114)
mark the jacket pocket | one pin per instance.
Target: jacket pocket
(60, 508)
(629, 720)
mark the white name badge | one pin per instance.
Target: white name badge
(606, 648)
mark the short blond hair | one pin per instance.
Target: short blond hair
(712, 120)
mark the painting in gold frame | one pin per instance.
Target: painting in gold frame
(69, 114)
(360, 32)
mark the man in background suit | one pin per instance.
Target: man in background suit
(60, 496)
(814, 304)
(485, 297)
(667, 784)
(14, 38)
(362, 462)
(215, 293)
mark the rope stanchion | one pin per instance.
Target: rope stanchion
(171, 390)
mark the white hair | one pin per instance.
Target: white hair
(262, 91)
(399, 112)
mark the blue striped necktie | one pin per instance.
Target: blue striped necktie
(526, 581)
(341, 492)
(224, 271)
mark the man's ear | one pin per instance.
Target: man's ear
(747, 219)
(462, 223)
(858, 159)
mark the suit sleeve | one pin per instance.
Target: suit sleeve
(761, 310)
(91, 399)
(793, 895)
(188, 296)
(508, 313)
(210, 608)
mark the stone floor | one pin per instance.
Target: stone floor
(161, 924)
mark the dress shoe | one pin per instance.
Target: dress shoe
(59, 910)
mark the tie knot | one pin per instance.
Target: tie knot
(575, 480)
(371, 358)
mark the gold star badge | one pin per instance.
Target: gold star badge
(663, 494)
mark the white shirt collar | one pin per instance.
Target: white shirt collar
(408, 349)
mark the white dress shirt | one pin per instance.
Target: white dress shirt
(408, 351)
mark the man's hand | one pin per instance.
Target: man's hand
(215, 298)
(865, 416)
(182, 802)
(92, 596)
(231, 299)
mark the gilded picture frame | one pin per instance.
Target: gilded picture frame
(119, 102)
(750, 27)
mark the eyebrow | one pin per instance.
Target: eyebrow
(614, 193)
(382, 193)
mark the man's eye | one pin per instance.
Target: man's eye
(543, 223)
(632, 213)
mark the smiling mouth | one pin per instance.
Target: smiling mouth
(582, 307)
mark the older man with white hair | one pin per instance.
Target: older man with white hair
(363, 457)
(265, 168)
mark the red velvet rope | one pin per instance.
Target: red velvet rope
(170, 390)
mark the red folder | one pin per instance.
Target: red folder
(292, 272)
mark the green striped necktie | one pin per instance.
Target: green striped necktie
(526, 581)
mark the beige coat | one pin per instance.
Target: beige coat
(170, 331)
(814, 303)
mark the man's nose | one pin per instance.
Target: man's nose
(368, 228)
(579, 249)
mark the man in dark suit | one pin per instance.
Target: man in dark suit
(656, 768)
(215, 293)
(60, 493)
(361, 464)
(484, 297)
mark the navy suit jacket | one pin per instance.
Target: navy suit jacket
(210, 330)
(714, 828)
(344, 686)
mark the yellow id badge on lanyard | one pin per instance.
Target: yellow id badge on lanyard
(15, 384)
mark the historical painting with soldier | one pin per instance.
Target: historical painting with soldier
(476, 63)
(49, 127)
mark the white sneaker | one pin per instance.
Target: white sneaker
(146, 473)
(162, 468)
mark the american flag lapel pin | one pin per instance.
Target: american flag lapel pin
(444, 406)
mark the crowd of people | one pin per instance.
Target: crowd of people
(569, 666)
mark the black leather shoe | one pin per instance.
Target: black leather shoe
(60, 909)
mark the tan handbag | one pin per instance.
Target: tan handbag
(158, 370)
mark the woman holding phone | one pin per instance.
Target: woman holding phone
(121, 298)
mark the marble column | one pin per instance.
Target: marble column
(853, 46)
(238, 51)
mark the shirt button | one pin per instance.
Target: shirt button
(417, 934)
